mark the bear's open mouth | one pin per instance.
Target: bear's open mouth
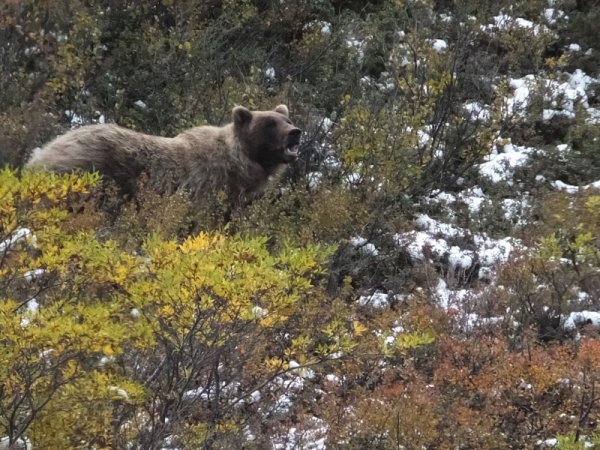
(291, 151)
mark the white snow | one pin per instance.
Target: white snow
(283, 404)
(477, 111)
(76, 119)
(582, 318)
(270, 73)
(312, 437)
(473, 197)
(505, 22)
(314, 180)
(552, 15)
(364, 246)
(18, 444)
(493, 251)
(568, 188)
(376, 300)
(521, 92)
(326, 124)
(32, 275)
(227, 390)
(448, 298)
(322, 26)
(358, 45)
(487, 252)
(352, 178)
(304, 372)
(500, 166)
(571, 189)
(119, 391)
(474, 321)
(15, 237)
(32, 307)
(331, 378)
(253, 397)
(259, 313)
(566, 95)
(514, 208)
(433, 243)
(435, 227)
(439, 45)
(549, 114)
(460, 259)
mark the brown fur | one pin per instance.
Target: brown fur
(237, 158)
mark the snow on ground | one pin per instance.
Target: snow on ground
(560, 97)
(458, 249)
(571, 189)
(432, 243)
(506, 22)
(439, 45)
(447, 245)
(499, 166)
(311, 437)
(477, 111)
(18, 444)
(473, 197)
(270, 73)
(432, 240)
(31, 309)
(364, 246)
(375, 300)
(15, 237)
(32, 275)
(582, 318)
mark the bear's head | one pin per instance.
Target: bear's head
(268, 137)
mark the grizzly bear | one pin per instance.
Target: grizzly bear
(238, 158)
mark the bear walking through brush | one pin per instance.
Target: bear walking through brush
(238, 158)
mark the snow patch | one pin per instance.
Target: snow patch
(13, 238)
(500, 166)
(32, 275)
(18, 444)
(270, 73)
(439, 45)
(376, 300)
(571, 189)
(582, 318)
(477, 111)
(364, 246)
(432, 243)
(311, 437)
(76, 120)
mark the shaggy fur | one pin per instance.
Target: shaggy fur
(237, 158)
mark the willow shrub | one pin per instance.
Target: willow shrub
(106, 347)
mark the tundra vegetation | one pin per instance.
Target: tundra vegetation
(426, 275)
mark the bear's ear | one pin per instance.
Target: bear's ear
(282, 109)
(241, 116)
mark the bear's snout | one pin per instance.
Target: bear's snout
(294, 136)
(291, 150)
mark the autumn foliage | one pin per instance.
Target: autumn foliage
(305, 320)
